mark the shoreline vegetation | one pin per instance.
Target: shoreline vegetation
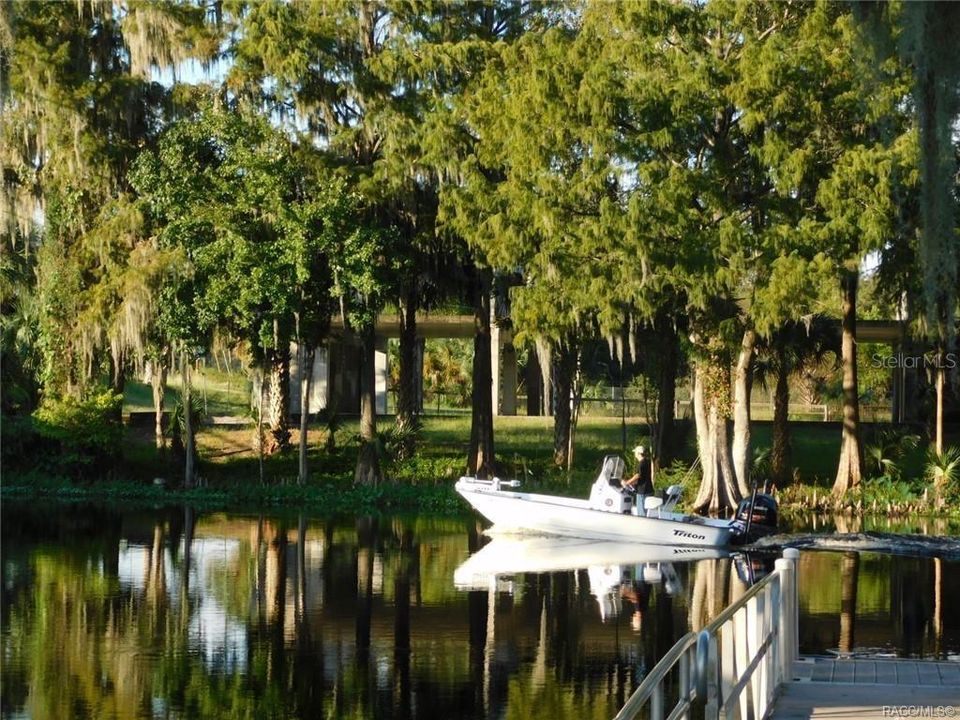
(229, 471)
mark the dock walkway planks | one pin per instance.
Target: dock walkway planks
(855, 689)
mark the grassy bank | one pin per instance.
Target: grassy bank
(229, 468)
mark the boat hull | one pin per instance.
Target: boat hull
(527, 512)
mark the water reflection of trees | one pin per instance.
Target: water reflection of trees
(865, 602)
(187, 616)
(848, 522)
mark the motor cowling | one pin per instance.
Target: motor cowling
(757, 517)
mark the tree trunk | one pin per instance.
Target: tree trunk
(850, 470)
(188, 444)
(780, 452)
(275, 571)
(158, 383)
(564, 367)
(664, 440)
(546, 380)
(402, 586)
(260, 438)
(941, 375)
(118, 374)
(407, 388)
(301, 602)
(279, 358)
(368, 462)
(480, 460)
(307, 352)
(366, 562)
(718, 487)
(576, 396)
(189, 526)
(742, 387)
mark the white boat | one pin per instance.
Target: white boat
(611, 512)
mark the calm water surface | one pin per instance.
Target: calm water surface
(170, 613)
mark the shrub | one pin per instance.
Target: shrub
(884, 456)
(885, 490)
(80, 436)
(762, 469)
(177, 428)
(678, 473)
(943, 471)
(17, 441)
(397, 442)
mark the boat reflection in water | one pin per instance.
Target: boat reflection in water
(616, 571)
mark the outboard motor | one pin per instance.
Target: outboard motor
(753, 567)
(756, 517)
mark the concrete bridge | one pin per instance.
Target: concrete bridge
(326, 374)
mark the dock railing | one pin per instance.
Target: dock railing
(733, 667)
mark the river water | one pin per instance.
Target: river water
(172, 613)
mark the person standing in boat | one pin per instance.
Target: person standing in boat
(642, 480)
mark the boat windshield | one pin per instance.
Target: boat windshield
(613, 467)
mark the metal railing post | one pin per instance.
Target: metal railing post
(789, 612)
(685, 675)
(656, 703)
(776, 612)
(707, 675)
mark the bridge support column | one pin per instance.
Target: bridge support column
(503, 363)
(494, 360)
(381, 367)
(418, 355)
(508, 374)
(896, 384)
(532, 381)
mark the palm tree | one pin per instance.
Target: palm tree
(797, 345)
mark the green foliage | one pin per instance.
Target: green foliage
(446, 371)
(680, 473)
(884, 491)
(331, 421)
(18, 441)
(79, 106)
(762, 469)
(705, 165)
(20, 360)
(397, 442)
(80, 437)
(177, 428)
(885, 454)
(943, 470)
(931, 33)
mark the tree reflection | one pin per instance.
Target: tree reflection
(181, 615)
(849, 578)
(711, 592)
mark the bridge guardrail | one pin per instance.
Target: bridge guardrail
(733, 667)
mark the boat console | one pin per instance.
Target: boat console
(607, 493)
